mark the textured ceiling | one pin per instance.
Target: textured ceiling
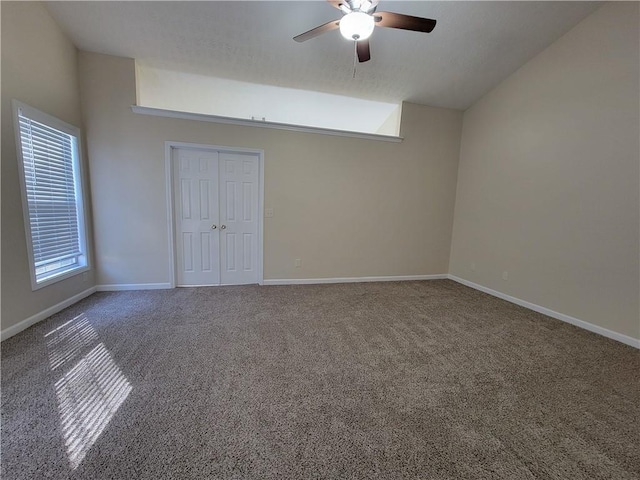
(474, 46)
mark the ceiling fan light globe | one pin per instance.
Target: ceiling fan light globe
(357, 26)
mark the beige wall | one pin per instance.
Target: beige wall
(39, 67)
(347, 207)
(548, 185)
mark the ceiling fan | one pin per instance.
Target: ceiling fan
(360, 18)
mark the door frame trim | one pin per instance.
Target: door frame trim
(169, 147)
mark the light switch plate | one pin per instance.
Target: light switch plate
(268, 212)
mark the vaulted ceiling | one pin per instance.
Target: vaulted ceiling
(474, 46)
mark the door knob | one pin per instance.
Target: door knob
(213, 227)
(222, 227)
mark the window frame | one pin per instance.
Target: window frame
(79, 184)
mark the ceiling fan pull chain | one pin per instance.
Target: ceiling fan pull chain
(355, 57)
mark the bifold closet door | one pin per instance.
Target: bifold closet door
(216, 217)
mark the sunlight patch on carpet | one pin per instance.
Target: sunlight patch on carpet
(91, 392)
(68, 340)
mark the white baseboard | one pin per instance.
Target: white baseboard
(24, 324)
(314, 281)
(634, 342)
(116, 287)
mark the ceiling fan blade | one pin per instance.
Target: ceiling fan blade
(364, 54)
(336, 3)
(314, 32)
(405, 22)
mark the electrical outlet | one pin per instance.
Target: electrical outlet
(297, 263)
(505, 275)
(473, 266)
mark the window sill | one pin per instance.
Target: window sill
(35, 285)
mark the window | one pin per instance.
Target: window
(51, 181)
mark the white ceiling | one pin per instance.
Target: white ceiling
(473, 47)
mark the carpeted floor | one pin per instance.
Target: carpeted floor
(416, 380)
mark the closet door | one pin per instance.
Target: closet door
(239, 218)
(196, 213)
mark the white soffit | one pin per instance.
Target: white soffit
(186, 92)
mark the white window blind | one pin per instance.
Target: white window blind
(53, 198)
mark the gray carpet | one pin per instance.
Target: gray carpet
(415, 380)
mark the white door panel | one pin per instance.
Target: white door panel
(239, 214)
(196, 212)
